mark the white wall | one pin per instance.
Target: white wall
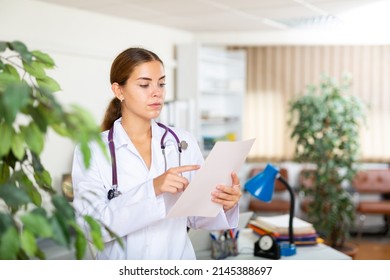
(83, 46)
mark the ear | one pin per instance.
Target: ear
(117, 90)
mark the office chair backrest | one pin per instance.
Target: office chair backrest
(372, 181)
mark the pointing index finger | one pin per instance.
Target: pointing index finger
(185, 168)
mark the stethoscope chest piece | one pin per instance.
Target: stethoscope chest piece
(183, 144)
(113, 192)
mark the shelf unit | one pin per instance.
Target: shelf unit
(214, 80)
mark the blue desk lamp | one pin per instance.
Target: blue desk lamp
(261, 186)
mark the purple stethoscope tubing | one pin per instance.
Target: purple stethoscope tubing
(113, 192)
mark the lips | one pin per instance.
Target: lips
(156, 105)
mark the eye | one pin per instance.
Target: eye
(162, 84)
(144, 86)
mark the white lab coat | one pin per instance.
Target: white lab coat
(138, 215)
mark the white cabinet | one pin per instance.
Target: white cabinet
(213, 81)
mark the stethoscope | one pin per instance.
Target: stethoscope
(181, 145)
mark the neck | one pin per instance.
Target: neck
(137, 130)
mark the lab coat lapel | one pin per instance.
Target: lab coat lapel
(121, 138)
(158, 166)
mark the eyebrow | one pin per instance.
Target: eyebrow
(149, 79)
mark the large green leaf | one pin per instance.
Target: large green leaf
(5, 222)
(6, 133)
(114, 235)
(41, 175)
(7, 79)
(36, 163)
(60, 129)
(8, 68)
(95, 231)
(38, 118)
(80, 242)
(16, 96)
(35, 69)
(48, 83)
(43, 180)
(64, 207)
(37, 224)
(17, 146)
(28, 243)
(86, 151)
(44, 58)
(4, 172)
(34, 137)
(60, 234)
(21, 48)
(18, 46)
(30, 189)
(40, 211)
(13, 196)
(9, 244)
(63, 225)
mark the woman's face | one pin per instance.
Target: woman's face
(144, 91)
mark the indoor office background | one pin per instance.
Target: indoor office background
(274, 57)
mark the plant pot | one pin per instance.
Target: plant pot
(349, 249)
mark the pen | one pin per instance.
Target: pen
(225, 234)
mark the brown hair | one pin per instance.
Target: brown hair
(121, 69)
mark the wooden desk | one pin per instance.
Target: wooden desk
(245, 248)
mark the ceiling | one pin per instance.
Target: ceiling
(228, 15)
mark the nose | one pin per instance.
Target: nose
(158, 91)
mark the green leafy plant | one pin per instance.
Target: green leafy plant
(28, 108)
(325, 123)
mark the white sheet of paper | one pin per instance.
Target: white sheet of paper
(224, 158)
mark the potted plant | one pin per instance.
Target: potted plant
(325, 123)
(28, 109)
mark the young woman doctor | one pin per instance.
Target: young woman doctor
(148, 168)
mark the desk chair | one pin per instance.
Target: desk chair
(280, 204)
(372, 182)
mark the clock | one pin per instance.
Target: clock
(267, 247)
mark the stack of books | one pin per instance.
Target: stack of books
(304, 232)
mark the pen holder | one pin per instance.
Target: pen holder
(224, 244)
(219, 249)
(232, 246)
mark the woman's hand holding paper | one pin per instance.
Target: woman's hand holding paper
(228, 196)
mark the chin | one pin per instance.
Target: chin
(154, 116)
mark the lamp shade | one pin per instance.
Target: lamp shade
(261, 186)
